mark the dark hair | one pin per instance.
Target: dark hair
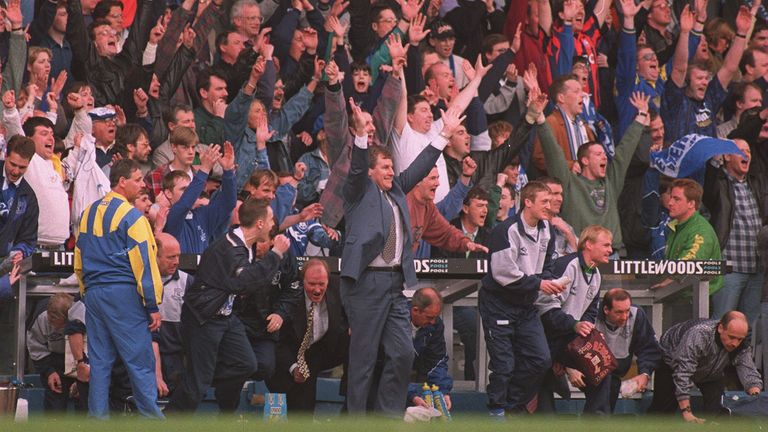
(615, 294)
(253, 210)
(374, 152)
(22, 146)
(426, 297)
(509, 188)
(492, 40)
(129, 134)
(31, 125)
(377, 9)
(223, 39)
(169, 180)
(99, 22)
(204, 79)
(415, 99)
(738, 92)
(747, 59)
(583, 151)
(101, 11)
(123, 168)
(477, 193)
(360, 66)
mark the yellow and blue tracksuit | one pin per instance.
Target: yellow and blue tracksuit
(116, 254)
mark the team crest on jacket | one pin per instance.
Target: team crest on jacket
(276, 278)
(523, 251)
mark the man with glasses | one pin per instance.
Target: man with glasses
(247, 19)
(640, 69)
(104, 128)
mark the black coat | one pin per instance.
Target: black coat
(19, 227)
(225, 269)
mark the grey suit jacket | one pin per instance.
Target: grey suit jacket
(368, 222)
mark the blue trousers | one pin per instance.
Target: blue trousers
(519, 355)
(601, 399)
(117, 324)
(378, 317)
(740, 291)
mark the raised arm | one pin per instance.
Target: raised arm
(462, 100)
(602, 9)
(744, 21)
(545, 16)
(680, 64)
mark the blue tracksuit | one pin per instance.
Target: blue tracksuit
(519, 355)
(195, 229)
(116, 254)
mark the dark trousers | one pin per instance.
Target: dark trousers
(300, 396)
(173, 369)
(378, 317)
(664, 400)
(264, 350)
(601, 399)
(465, 322)
(53, 401)
(218, 354)
(518, 351)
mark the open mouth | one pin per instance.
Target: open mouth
(602, 166)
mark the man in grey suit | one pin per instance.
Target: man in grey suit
(377, 262)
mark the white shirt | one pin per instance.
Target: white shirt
(173, 297)
(52, 199)
(406, 147)
(399, 237)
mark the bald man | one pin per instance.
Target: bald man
(167, 342)
(697, 352)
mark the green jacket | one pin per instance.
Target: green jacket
(209, 128)
(694, 239)
(578, 207)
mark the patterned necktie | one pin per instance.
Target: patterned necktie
(388, 254)
(301, 362)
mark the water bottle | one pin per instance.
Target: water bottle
(440, 404)
(426, 394)
(22, 410)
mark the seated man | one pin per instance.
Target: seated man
(45, 342)
(697, 352)
(629, 334)
(313, 339)
(431, 362)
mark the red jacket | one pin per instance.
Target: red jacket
(428, 224)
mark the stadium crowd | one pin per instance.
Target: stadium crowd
(547, 137)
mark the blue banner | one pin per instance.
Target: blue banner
(688, 156)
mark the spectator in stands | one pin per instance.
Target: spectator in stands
(735, 199)
(471, 223)
(565, 236)
(656, 34)
(430, 365)
(48, 30)
(692, 108)
(19, 209)
(46, 176)
(209, 116)
(572, 312)
(443, 39)
(696, 353)
(593, 194)
(183, 141)
(744, 95)
(104, 129)
(314, 338)
(167, 342)
(316, 178)
(506, 302)
(247, 19)
(227, 269)
(639, 67)
(45, 342)
(506, 203)
(569, 129)
(176, 115)
(117, 321)
(629, 335)
(195, 227)
(132, 142)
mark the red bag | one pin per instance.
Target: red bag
(592, 357)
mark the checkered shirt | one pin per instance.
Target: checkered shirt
(741, 248)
